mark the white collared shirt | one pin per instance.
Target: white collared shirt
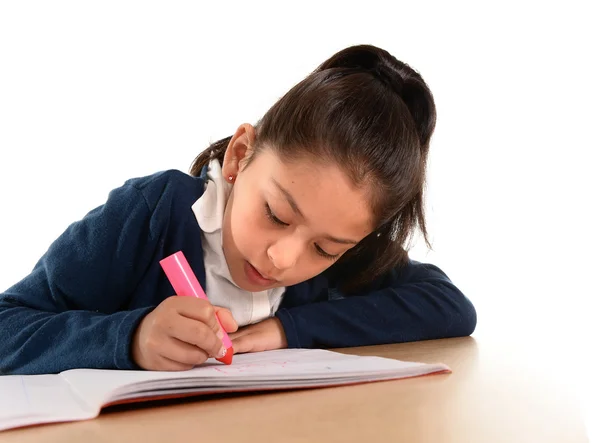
(246, 307)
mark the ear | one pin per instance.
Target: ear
(238, 151)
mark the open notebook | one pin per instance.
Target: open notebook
(80, 394)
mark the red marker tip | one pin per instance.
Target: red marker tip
(228, 358)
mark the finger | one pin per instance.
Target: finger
(244, 343)
(181, 352)
(238, 334)
(196, 333)
(166, 364)
(197, 309)
(226, 319)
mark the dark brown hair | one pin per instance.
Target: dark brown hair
(372, 115)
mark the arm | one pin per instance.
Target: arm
(416, 303)
(65, 314)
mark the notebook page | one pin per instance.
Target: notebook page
(100, 386)
(252, 384)
(31, 399)
(281, 373)
(271, 368)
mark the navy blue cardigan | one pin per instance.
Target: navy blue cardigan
(82, 302)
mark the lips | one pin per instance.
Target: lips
(256, 277)
(266, 277)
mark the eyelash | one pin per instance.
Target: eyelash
(272, 217)
(278, 222)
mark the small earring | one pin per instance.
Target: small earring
(230, 178)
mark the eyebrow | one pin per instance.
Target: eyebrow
(298, 212)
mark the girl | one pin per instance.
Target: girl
(296, 228)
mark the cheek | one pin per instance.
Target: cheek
(306, 268)
(317, 266)
(244, 228)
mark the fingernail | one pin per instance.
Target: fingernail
(220, 334)
(222, 352)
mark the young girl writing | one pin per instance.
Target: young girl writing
(295, 227)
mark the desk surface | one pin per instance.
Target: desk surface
(489, 397)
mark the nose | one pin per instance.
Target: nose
(285, 252)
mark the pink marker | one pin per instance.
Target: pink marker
(185, 283)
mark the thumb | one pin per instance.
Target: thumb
(226, 319)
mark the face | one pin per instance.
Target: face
(286, 222)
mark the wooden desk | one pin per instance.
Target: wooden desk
(490, 397)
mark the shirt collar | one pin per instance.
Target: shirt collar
(210, 207)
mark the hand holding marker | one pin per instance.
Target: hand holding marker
(185, 283)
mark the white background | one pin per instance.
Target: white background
(94, 93)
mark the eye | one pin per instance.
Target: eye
(325, 254)
(272, 216)
(278, 222)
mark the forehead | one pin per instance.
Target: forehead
(325, 195)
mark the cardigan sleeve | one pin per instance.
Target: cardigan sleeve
(417, 303)
(66, 313)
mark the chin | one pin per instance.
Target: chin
(248, 286)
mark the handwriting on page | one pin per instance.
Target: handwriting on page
(252, 368)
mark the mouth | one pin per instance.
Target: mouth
(256, 277)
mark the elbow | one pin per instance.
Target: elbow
(458, 313)
(464, 320)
